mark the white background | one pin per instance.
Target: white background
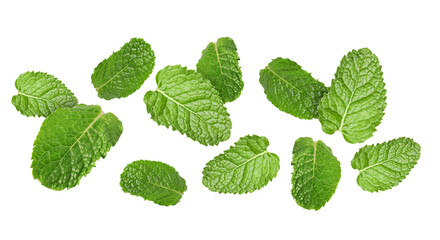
(69, 39)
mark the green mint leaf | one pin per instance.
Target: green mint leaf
(69, 143)
(316, 173)
(153, 181)
(291, 89)
(187, 102)
(219, 64)
(355, 102)
(40, 94)
(383, 166)
(243, 168)
(124, 71)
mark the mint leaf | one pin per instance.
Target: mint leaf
(124, 71)
(40, 94)
(187, 102)
(153, 181)
(316, 173)
(355, 102)
(383, 166)
(291, 89)
(219, 64)
(243, 168)
(69, 143)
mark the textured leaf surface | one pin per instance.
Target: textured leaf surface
(383, 166)
(40, 94)
(187, 102)
(316, 173)
(291, 89)
(153, 181)
(245, 167)
(355, 102)
(69, 143)
(124, 71)
(219, 64)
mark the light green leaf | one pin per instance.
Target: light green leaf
(243, 168)
(355, 103)
(124, 71)
(69, 143)
(187, 102)
(40, 94)
(291, 89)
(153, 181)
(383, 166)
(316, 173)
(219, 64)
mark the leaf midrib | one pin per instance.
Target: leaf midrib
(278, 76)
(250, 159)
(111, 79)
(40, 98)
(218, 59)
(379, 163)
(346, 109)
(161, 186)
(352, 95)
(376, 164)
(82, 134)
(185, 107)
(314, 160)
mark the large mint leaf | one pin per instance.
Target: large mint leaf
(291, 89)
(187, 102)
(219, 64)
(69, 143)
(316, 173)
(153, 181)
(40, 94)
(355, 103)
(243, 168)
(383, 166)
(124, 71)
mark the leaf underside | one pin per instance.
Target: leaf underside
(355, 102)
(153, 181)
(291, 89)
(243, 168)
(219, 64)
(69, 143)
(383, 166)
(124, 71)
(316, 173)
(187, 102)
(40, 94)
